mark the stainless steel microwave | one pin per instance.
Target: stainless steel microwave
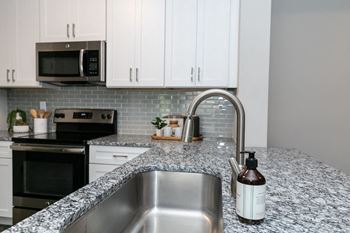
(64, 63)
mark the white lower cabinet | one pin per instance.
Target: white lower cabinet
(98, 170)
(104, 159)
(5, 180)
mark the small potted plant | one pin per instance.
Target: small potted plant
(159, 124)
(17, 121)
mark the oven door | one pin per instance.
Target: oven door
(71, 62)
(43, 174)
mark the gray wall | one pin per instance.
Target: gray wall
(136, 108)
(310, 79)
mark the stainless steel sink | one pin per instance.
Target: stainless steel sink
(152, 202)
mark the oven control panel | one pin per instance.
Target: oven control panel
(106, 116)
(82, 115)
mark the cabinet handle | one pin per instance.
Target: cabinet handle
(137, 74)
(73, 26)
(130, 74)
(199, 74)
(120, 156)
(8, 75)
(13, 75)
(192, 73)
(68, 35)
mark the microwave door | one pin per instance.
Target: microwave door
(62, 65)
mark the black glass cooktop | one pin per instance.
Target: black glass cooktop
(59, 138)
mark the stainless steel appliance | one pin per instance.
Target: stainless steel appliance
(47, 167)
(64, 63)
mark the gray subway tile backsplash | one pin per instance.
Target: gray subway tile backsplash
(136, 108)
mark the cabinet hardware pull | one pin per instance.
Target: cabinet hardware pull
(8, 75)
(199, 74)
(120, 156)
(137, 74)
(130, 74)
(192, 73)
(73, 26)
(13, 75)
(68, 35)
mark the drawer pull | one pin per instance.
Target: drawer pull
(120, 156)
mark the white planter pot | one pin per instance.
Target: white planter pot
(159, 132)
(21, 128)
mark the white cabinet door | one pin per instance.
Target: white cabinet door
(180, 50)
(55, 20)
(5, 151)
(121, 35)
(201, 43)
(135, 43)
(89, 20)
(98, 170)
(213, 43)
(150, 38)
(7, 41)
(115, 155)
(27, 25)
(6, 188)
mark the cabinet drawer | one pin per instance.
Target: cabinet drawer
(98, 170)
(115, 155)
(5, 151)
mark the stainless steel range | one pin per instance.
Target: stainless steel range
(47, 167)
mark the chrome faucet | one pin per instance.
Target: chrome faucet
(236, 164)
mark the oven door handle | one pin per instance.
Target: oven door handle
(48, 148)
(81, 62)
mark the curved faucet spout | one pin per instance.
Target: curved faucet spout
(240, 121)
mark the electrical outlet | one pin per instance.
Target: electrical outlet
(43, 105)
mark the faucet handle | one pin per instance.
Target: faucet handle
(234, 166)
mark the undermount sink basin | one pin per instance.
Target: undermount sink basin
(152, 202)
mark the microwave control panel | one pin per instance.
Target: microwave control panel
(92, 63)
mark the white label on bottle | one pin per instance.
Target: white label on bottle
(250, 201)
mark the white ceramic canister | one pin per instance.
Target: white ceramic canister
(40, 125)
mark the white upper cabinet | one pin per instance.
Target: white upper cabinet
(7, 41)
(27, 34)
(135, 43)
(181, 34)
(213, 43)
(72, 20)
(89, 19)
(201, 43)
(55, 21)
(19, 30)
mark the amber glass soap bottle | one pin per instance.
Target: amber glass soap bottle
(250, 195)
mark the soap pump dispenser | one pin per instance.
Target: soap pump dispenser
(250, 194)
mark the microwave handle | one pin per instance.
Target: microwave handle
(81, 60)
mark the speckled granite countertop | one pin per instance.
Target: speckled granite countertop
(303, 195)
(5, 135)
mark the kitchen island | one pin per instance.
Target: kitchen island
(303, 195)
